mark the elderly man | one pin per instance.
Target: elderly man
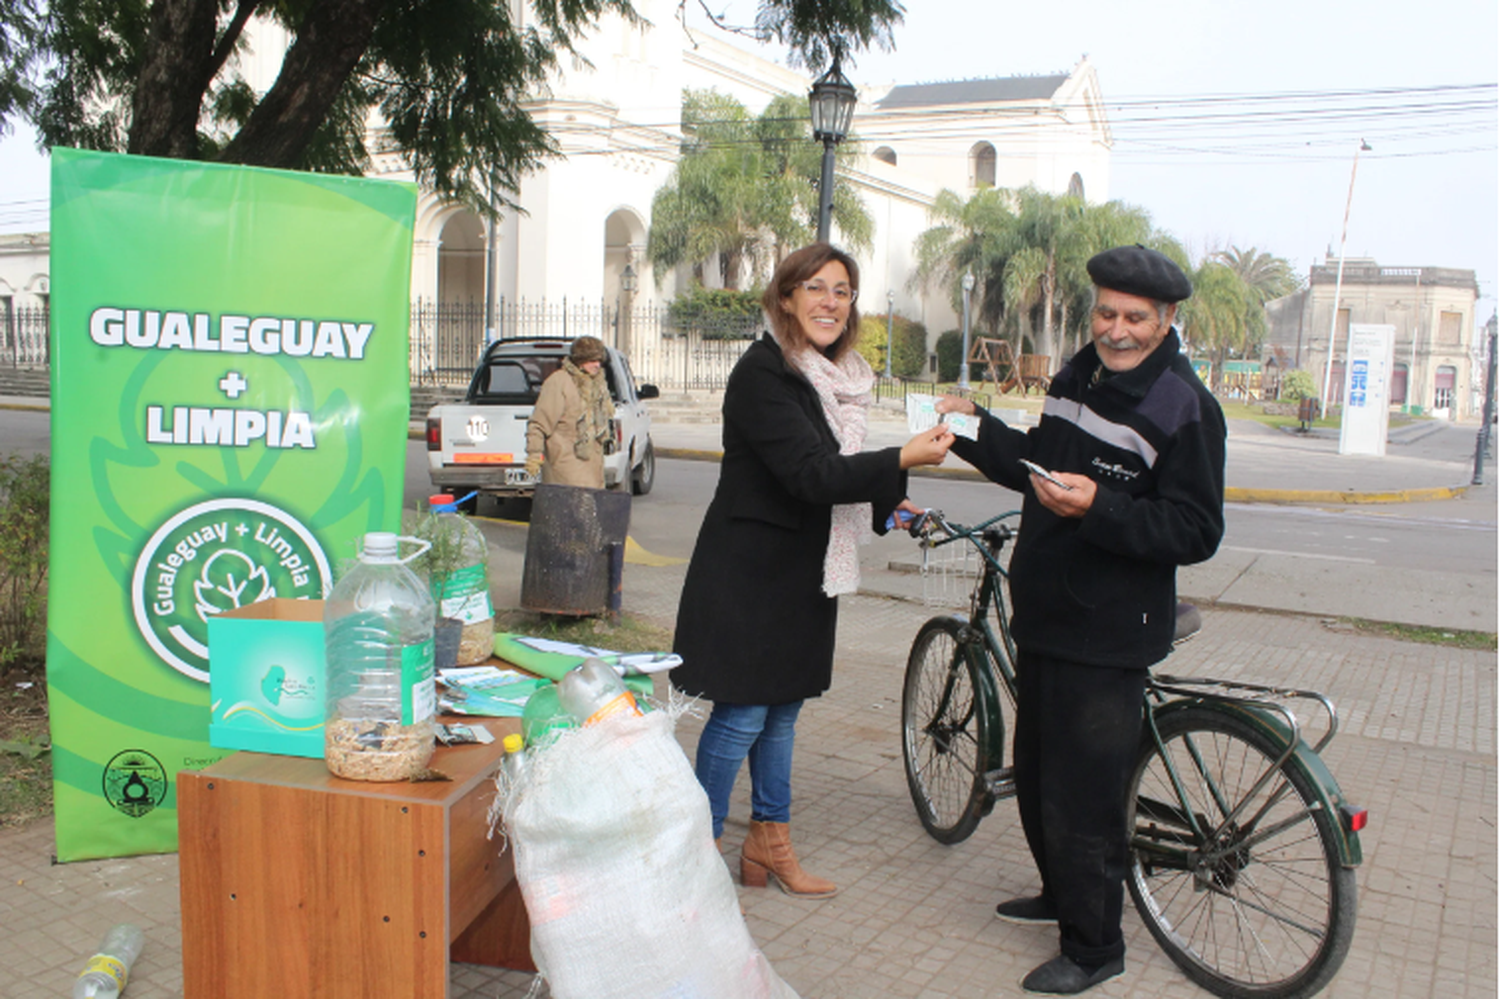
(1134, 445)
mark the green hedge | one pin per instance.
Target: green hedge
(717, 313)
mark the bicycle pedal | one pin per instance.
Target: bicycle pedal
(1001, 783)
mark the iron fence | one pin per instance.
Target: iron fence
(23, 337)
(447, 338)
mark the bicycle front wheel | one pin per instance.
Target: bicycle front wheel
(1253, 902)
(945, 732)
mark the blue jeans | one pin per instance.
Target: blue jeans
(762, 732)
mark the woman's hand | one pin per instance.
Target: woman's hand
(954, 404)
(929, 447)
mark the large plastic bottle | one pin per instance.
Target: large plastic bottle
(377, 626)
(463, 592)
(592, 691)
(105, 975)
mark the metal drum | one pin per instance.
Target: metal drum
(575, 550)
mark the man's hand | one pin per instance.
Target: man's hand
(954, 404)
(1073, 502)
(534, 466)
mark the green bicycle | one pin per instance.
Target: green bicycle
(1242, 846)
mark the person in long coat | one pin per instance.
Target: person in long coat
(756, 622)
(569, 427)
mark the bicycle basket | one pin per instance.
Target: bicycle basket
(949, 574)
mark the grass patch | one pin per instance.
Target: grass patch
(25, 750)
(628, 634)
(1254, 411)
(1479, 641)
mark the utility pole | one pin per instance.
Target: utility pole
(1482, 444)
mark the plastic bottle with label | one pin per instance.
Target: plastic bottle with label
(377, 627)
(105, 975)
(593, 691)
(463, 590)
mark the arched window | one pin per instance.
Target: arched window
(885, 154)
(982, 165)
(1075, 187)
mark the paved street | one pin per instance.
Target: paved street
(1416, 747)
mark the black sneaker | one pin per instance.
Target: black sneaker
(1061, 976)
(1030, 909)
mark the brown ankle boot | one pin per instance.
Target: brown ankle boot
(768, 851)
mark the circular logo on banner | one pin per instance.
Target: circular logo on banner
(134, 782)
(214, 557)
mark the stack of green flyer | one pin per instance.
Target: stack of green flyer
(487, 690)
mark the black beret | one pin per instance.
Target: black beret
(1136, 270)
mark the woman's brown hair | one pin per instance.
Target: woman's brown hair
(798, 267)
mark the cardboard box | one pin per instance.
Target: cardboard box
(266, 668)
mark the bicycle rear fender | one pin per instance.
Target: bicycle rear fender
(1309, 763)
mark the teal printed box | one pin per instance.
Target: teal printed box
(266, 678)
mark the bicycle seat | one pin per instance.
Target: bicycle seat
(1189, 621)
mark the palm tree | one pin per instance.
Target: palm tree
(970, 236)
(1216, 316)
(741, 193)
(1266, 277)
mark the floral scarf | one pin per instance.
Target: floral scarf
(843, 387)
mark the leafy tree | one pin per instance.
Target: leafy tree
(741, 192)
(448, 79)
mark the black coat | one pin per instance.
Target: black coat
(754, 626)
(1102, 589)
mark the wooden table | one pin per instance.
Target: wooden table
(296, 883)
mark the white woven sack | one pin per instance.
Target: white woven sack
(614, 853)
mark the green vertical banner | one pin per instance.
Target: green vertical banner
(229, 414)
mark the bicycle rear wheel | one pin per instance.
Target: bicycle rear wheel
(945, 725)
(1259, 908)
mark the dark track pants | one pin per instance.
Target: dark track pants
(1077, 735)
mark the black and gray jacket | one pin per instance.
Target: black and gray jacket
(1102, 590)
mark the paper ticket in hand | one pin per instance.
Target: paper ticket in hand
(922, 414)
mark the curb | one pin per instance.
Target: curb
(1232, 494)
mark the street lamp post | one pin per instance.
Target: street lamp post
(831, 101)
(890, 318)
(967, 284)
(1338, 283)
(622, 311)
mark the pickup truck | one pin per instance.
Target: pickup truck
(480, 443)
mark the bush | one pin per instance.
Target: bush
(1298, 384)
(950, 352)
(24, 486)
(717, 313)
(908, 345)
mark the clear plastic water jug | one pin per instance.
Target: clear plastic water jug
(377, 626)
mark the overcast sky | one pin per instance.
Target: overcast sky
(1272, 172)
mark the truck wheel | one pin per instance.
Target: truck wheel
(643, 477)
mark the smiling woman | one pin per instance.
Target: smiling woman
(759, 608)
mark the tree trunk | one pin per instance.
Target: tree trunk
(175, 73)
(330, 43)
